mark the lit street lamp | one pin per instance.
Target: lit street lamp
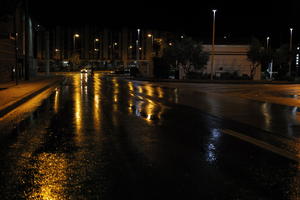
(213, 44)
(95, 41)
(137, 47)
(290, 58)
(268, 38)
(74, 40)
(96, 47)
(151, 36)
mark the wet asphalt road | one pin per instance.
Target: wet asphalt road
(106, 138)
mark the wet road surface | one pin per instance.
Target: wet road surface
(106, 138)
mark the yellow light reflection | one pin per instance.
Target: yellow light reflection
(150, 108)
(130, 104)
(56, 101)
(130, 86)
(50, 178)
(77, 101)
(97, 86)
(160, 92)
(149, 90)
(140, 89)
(116, 91)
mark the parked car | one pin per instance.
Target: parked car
(86, 70)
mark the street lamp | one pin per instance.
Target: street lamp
(96, 47)
(213, 44)
(74, 40)
(291, 44)
(268, 38)
(96, 40)
(137, 47)
(151, 36)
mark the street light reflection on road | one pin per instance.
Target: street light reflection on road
(50, 178)
(211, 155)
(160, 92)
(77, 102)
(96, 105)
(56, 100)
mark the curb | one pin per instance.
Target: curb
(23, 100)
(211, 82)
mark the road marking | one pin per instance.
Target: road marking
(262, 144)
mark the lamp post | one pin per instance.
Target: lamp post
(96, 49)
(213, 44)
(137, 47)
(74, 40)
(290, 50)
(151, 36)
(268, 38)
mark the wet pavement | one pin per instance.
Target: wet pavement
(99, 137)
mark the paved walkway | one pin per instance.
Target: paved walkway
(12, 95)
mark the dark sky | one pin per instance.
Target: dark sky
(234, 18)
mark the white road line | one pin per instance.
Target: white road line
(262, 144)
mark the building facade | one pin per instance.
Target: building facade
(230, 59)
(17, 33)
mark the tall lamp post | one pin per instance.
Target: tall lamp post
(96, 49)
(152, 38)
(213, 44)
(137, 47)
(74, 40)
(268, 38)
(291, 46)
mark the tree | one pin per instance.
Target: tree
(281, 60)
(186, 53)
(254, 55)
(258, 55)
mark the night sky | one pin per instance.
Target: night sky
(235, 19)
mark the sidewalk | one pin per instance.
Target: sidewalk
(12, 95)
(212, 81)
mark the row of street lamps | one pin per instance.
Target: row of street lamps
(268, 38)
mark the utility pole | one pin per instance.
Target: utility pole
(27, 27)
(213, 45)
(137, 49)
(290, 51)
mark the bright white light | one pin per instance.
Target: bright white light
(214, 11)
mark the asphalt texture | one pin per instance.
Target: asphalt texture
(99, 137)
